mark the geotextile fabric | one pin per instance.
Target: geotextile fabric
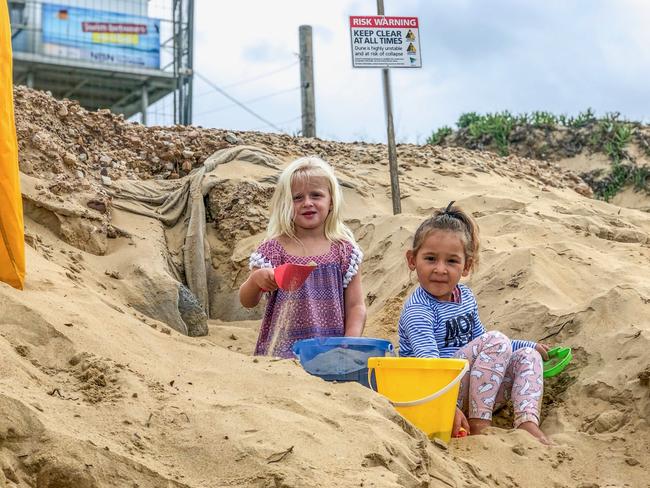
(181, 202)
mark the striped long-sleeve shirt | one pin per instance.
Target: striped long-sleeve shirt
(431, 328)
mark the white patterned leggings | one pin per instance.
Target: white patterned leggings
(497, 374)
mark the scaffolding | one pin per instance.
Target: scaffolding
(124, 55)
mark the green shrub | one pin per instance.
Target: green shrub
(622, 175)
(496, 126)
(640, 178)
(581, 120)
(617, 179)
(543, 120)
(465, 120)
(612, 136)
(439, 136)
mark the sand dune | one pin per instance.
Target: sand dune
(99, 388)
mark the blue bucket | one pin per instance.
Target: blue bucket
(340, 358)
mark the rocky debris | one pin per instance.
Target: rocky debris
(191, 312)
(60, 139)
(238, 209)
(87, 145)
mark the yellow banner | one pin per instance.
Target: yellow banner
(115, 38)
(12, 238)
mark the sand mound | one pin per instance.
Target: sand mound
(101, 390)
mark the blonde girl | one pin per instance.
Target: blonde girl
(306, 227)
(440, 319)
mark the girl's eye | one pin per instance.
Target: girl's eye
(297, 197)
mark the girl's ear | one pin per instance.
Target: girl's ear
(468, 267)
(410, 259)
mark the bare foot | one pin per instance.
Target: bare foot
(477, 426)
(533, 429)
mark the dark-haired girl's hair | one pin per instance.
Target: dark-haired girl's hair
(452, 219)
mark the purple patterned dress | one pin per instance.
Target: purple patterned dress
(317, 308)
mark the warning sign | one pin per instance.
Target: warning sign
(385, 42)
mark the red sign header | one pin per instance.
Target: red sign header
(114, 28)
(382, 21)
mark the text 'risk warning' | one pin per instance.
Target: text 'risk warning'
(385, 42)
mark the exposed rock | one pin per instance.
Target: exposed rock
(191, 312)
(98, 205)
(155, 295)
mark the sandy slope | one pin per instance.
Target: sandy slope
(96, 393)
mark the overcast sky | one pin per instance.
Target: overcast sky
(477, 55)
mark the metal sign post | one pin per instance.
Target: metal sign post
(385, 42)
(392, 149)
(390, 129)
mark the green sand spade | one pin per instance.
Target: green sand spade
(558, 359)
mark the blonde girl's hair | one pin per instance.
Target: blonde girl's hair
(303, 169)
(451, 219)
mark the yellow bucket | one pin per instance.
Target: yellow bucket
(422, 390)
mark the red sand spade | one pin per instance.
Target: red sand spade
(290, 276)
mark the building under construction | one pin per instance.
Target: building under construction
(124, 55)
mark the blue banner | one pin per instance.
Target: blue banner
(101, 36)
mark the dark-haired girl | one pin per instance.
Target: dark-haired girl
(440, 320)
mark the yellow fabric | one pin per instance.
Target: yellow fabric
(12, 238)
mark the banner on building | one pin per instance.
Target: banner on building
(100, 36)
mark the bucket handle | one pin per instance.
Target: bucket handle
(428, 398)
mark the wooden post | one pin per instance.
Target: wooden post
(307, 82)
(392, 150)
(144, 103)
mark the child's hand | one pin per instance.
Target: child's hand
(542, 349)
(460, 422)
(264, 278)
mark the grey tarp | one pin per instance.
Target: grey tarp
(171, 201)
